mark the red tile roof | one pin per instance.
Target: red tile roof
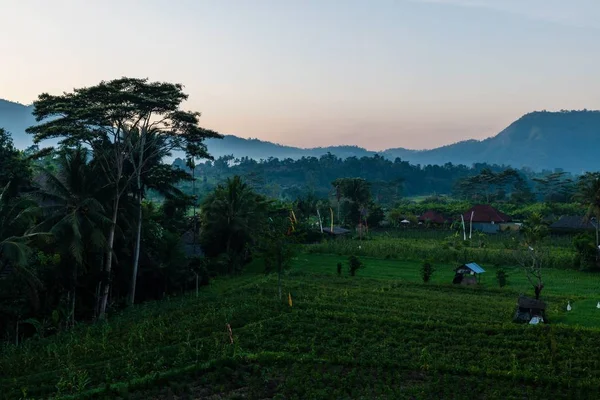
(433, 216)
(486, 213)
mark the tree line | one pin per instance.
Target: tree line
(389, 180)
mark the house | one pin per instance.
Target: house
(487, 219)
(467, 274)
(528, 309)
(337, 231)
(573, 224)
(433, 217)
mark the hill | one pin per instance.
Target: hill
(15, 118)
(538, 140)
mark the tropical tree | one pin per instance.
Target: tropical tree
(532, 255)
(357, 193)
(14, 166)
(151, 174)
(106, 117)
(17, 216)
(276, 242)
(588, 194)
(232, 216)
(71, 200)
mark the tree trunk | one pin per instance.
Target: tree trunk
(136, 252)
(108, 261)
(538, 291)
(138, 233)
(597, 227)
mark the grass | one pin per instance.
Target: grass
(381, 334)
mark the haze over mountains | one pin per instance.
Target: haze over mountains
(539, 140)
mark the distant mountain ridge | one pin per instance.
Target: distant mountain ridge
(538, 140)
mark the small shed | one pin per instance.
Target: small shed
(528, 309)
(467, 274)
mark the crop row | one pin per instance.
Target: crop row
(406, 249)
(430, 328)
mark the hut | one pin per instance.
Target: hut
(467, 274)
(530, 310)
(486, 218)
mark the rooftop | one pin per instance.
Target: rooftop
(486, 213)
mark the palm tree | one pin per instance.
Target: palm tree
(17, 216)
(73, 212)
(231, 215)
(589, 196)
(151, 174)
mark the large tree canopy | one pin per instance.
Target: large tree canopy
(122, 121)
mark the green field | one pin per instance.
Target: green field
(381, 334)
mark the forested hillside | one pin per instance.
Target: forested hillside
(390, 181)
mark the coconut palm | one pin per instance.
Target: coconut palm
(151, 174)
(231, 216)
(17, 216)
(73, 212)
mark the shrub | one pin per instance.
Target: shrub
(502, 277)
(427, 271)
(355, 265)
(339, 268)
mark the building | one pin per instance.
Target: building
(528, 309)
(573, 224)
(467, 274)
(487, 219)
(434, 217)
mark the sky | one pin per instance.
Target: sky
(378, 74)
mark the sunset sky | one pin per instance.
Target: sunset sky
(378, 74)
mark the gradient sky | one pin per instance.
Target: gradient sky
(378, 74)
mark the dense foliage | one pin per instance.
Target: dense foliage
(389, 180)
(75, 233)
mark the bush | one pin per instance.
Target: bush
(355, 265)
(502, 277)
(339, 269)
(427, 271)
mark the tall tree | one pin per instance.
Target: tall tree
(532, 254)
(588, 194)
(17, 216)
(73, 212)
(276, 243)
(232, 217)
(106, 117)
(14, 166)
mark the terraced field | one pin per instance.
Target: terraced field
(381, 334)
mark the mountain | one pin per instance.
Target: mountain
(539, 140)
(15, 118)
(259, 149)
